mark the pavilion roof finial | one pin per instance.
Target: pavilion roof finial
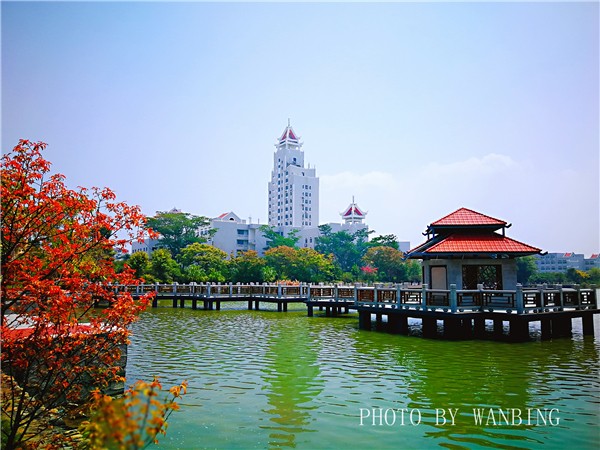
(289, 125)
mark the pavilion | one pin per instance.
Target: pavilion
(470, 250)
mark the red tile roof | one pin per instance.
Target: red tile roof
(594, 256)
(353, 210)
(464, 216)
(288, 133)
(487, 243)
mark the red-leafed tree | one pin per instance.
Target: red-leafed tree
(57, 261)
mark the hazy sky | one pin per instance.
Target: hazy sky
(414, 109)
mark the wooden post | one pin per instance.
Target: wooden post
(375, 300)
(398, 295)
(355, 294)
(285, 305)
(256, 305)
(308, 293)
(310, 310)
(335, 292)
(424, 296)
(218, 302)
(155, 301)
(519, 299)
(194, 303)
(249, 305)
(453, 299)
(279, 306)
(181, 302)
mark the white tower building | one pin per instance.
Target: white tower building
(293, 189)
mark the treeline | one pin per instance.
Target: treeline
(185, 257)
(528, 274)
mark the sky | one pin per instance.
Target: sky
(413, 109)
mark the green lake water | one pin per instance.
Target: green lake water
(269, 380)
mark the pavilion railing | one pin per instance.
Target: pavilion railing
(521, 300)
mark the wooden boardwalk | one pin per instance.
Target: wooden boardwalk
(460, 314)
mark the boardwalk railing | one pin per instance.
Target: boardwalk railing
(522, 300)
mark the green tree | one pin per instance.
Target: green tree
(247, 267)
(388, 262)
(340, 245)
(526, 268)
(594, 276)
(203, 262)
(304, 264)
(388, 240)
(414, 272)
(140, 262)
(275, 239)
(163, 267)
(177, 230)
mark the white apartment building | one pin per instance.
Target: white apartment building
(234, 235)
(293, 189)
(561, 262)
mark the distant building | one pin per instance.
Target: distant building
(293, 189)
(234, 235)
(561, 262)
(293, 204)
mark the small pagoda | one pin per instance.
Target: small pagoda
(353, 214)
(470, 250)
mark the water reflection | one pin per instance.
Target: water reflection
(262, 379)
(292, 381)
(533, 389)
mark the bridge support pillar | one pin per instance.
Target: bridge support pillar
(518, 330)
(429, 327)
(561, 326)
(256, 302)
(546, 325)
(452, 328)
(588, 324)
(498, 328)
(364, 320)
(249, 305)
(479, 328)
(310, 310)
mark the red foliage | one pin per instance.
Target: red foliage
(57, 260)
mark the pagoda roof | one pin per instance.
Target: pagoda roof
(468, 217)
(288, 134)
(353, 210)
(478, 243)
